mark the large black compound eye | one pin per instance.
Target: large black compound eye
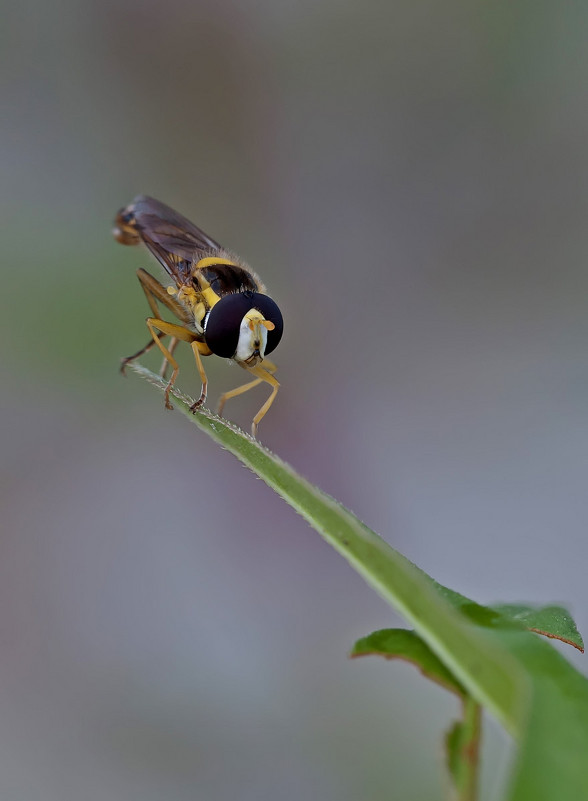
(224, 322)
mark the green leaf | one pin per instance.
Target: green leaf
(463, 739)
(522, 680)
(551, 764)
(551, 621)
(407, 645)
(484, 668)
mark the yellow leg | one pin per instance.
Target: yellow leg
(233, 394)
(267, 365)
(172, 346)
(155, 291)
(198, 348)
(129, 359)
(266, 376)
(179, 333)
(263, 374)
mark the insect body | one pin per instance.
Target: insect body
(219, 302)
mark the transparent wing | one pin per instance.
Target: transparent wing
(173, 240)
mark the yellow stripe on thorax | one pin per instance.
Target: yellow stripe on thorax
(209, 295)
(193, 298)
(210, 260)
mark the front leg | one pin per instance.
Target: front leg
(262, 374)
(269, 378)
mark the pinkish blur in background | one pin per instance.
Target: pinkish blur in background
(411, 182)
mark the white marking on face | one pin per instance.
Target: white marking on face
(250, 341)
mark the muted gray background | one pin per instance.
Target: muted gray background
(410, 180)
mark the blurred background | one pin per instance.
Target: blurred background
(410, 181)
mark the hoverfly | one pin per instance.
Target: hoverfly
(218, 300)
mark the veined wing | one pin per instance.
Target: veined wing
(174, 241)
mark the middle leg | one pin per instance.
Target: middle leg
(177, 332)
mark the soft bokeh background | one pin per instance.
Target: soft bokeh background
(410, 180)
